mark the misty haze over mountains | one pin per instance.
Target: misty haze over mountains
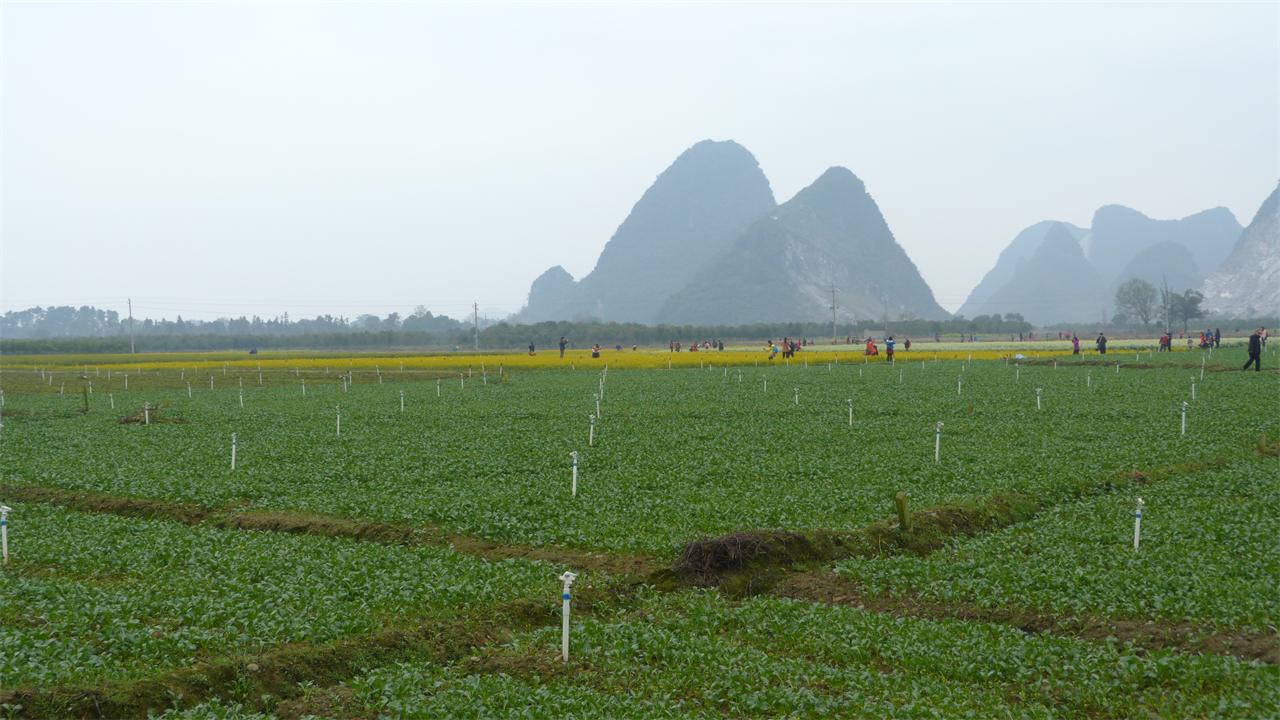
(706, 244)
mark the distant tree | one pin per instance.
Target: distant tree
(1137, 297)
(1014, 317)
(1186, 306)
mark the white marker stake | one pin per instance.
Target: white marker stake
(567, 578)
(598, 406)
(573, 488)
(1117, 368)
(739, 376)
(850, 412)
(241, 379)
(1202, 372)
(259, 378)
(766, 385)
(233, 451)
(591, 434)
(797, 396)
(112, 399)
(188, 389)
(1184, 418)
(1088, 379)
(146, 413)
(4, 535)
(1037, 398)
(937, 444)
(1017, 374)
(210, 382)
(437, 388)
(958, 383)
(1193, 389)
(62, 388)
(241, 398)
(401, 401)
(126, 380)
(1137, 524)
(304, 388)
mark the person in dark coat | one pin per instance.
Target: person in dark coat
(563, 344)
(1101, 342)
(1255, 351)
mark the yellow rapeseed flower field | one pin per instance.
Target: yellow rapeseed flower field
(391, 361)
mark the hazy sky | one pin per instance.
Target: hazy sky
(218, 158)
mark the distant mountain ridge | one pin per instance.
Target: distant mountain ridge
(1120, 244)
(1008, 265)
(708, 244)
(831, 235)
(692, 212)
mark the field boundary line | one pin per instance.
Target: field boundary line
(303, 523)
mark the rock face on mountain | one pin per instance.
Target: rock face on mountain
(1248, 282)
(1122, 243)
(693, 212)
(1056, 283)
(1119, 233)
(1007, 266)
(783, 268)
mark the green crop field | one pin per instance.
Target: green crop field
(391, 546)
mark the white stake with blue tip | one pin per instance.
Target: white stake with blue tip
(573, 489)
(4, 531)
(1137, 524)
(567, 578)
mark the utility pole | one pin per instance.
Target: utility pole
(833, 313)
(131, 350)
(475, 313)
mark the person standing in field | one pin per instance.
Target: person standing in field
(531, 349)
(1075, 344)
(1101, 343)
(563, 344)
(1255, 351)
(1217, 337)
(906, 344)
(888, 348)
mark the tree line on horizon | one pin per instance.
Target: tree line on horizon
(92, 330)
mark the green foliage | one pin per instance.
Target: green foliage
(1207, 552)
(678, 454)
(695, 655)
(90, 597)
